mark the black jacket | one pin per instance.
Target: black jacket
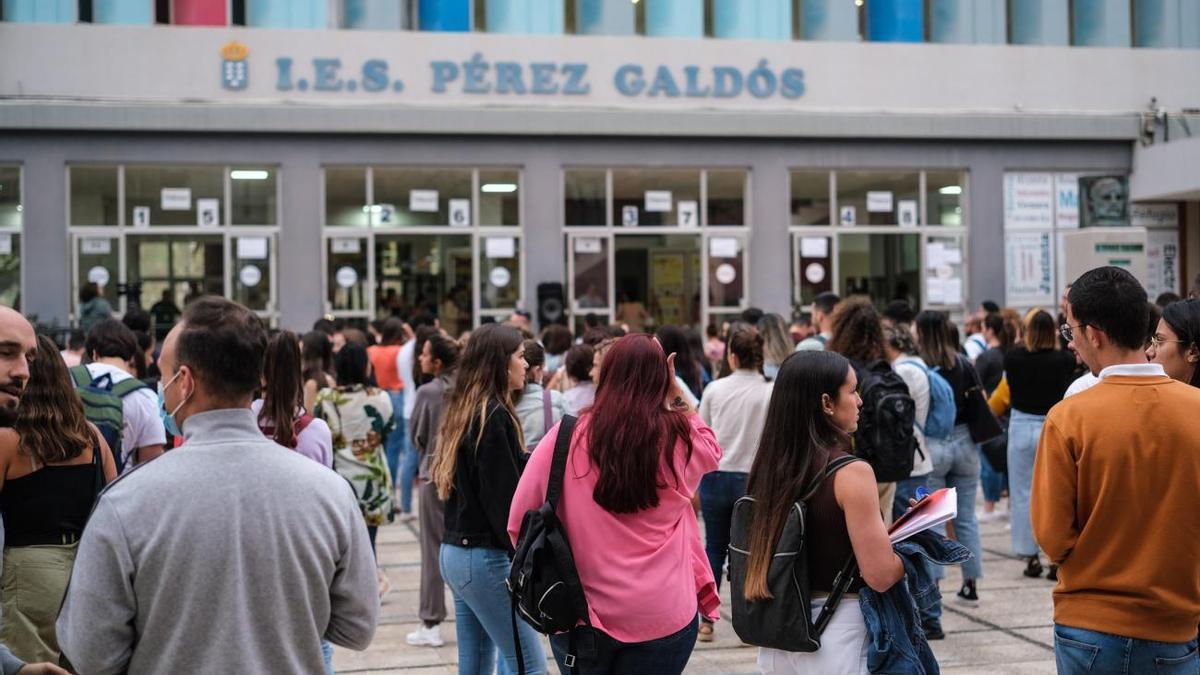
(485, 479)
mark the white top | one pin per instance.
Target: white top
(918, 388)
(579, 397)
(143, 425)
(974, 346)
(735, 407)
(1134, 370)
(1082, 383)
(315, 441)
(815, 343)
(404, 363)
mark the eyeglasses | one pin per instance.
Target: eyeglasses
(1066, 332)
(1157, 341)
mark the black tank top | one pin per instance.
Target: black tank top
(50, 505)
(827, 541)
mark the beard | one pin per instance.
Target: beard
(8, 414)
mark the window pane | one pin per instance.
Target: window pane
(93, 195)
(630, 206)
(434, 188)
(944, 282)
(658, 275)
(10, 269)
(347, 273)
(499, 199)
(500, 265)
(890, 189)
(585, 197)
(810, 197)
(726, 271)
(346, 197)
(422, 272)
(814, 266)
(884, 267)
(253, 191)
(944, 198)
(252, 272)
(591, 272)
(727, 197)
(98, 264)
(10, 196)
(179, 189)
(186, 266)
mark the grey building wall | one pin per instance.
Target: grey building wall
(45, 156)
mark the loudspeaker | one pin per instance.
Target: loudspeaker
(551, 304)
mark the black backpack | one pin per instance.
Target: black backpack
(783, 621)
(543, 583)
(885, 436)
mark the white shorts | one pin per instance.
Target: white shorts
(843, 646)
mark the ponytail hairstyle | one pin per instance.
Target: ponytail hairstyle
(631, 433)
(444, 349)
(746, 343)
(796, 441)
(482, 380)
(284, 392)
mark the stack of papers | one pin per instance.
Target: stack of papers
(932, 511)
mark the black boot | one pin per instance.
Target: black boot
(1033, 567)
(1052, 573)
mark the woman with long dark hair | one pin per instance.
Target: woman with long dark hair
(478, 463)
(735, 407)
(1038, 374)
(316, 365)
(53, 463)
(360, 418)
(280, 412)
(956, 457)
(635, 462)
(687, 368)
(1176, 343)
(437, 360)
(810, 420)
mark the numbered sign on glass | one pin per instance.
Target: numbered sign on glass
(689, 213)
(387, 214)
(141, 216)
(460, 212)
(629, 216)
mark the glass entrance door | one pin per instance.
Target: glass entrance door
(422, 272)
(180, 268)
(657, 280)
(589, 270)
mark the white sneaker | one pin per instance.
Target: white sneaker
(426, 637)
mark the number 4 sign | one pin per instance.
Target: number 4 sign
(689, 214)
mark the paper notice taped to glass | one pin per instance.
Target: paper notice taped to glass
(814, 247)
(252, 248)
(499, 248)
(937, 508)
(589, 245)
(723, 247)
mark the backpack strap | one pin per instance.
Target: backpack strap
(127, 387)
(301, 424)
(562, 447)
(830, 469)
(81, 376)
(547, 416)
(849, 571)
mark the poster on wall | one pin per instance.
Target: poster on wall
(1066, 200)
(1104, 201)
(1029, 259)
(1162, 262)
(1028, 200)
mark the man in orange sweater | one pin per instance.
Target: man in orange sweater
(1115, 488)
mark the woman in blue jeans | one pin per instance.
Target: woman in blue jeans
(1038, 375)
(476, 470)
(956, 457)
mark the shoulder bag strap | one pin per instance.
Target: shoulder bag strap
(562, 447)
(547, 416)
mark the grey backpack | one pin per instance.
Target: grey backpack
(783, 621)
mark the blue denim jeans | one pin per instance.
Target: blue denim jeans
(906, 489)
(393, 445)
(1024, 432)
(668, 655)
(1077, 650)
(327, 656)
(993, 481)
(956, 465)
(483, 613)
(719, 490)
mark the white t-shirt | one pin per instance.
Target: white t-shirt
(1082, 383)
(143, 425)
(974, 346)
(918, 388)
(404, 363)
(735, 406)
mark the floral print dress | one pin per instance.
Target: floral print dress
(360, 419)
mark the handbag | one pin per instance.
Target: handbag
(995, 451)
(980, 420)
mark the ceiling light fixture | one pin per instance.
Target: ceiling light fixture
(950, 190)
(499, 187)
(249, 174)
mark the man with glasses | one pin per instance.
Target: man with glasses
(1114, 494)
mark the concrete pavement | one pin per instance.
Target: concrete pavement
(1010, 631)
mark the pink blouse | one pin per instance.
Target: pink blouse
(644, 574)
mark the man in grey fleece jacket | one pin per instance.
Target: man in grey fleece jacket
(229, 553)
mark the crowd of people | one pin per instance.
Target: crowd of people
(248, 490)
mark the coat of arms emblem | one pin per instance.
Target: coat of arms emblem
(235, 73)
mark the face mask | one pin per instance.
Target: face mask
(169, 417)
